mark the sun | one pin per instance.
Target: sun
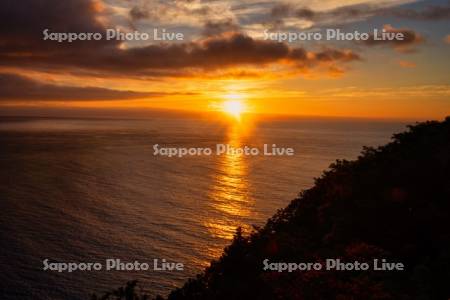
(234, 108)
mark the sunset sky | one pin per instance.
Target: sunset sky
(224, 57)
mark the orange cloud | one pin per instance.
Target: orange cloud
(406, 64)
(447, 39)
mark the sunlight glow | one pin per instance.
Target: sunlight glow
(233, 107)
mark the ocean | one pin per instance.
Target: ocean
(87, 190)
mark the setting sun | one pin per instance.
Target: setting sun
(234, 108)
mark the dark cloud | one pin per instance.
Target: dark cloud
(15, 87)
(356, 12)
(22, 23)
(210, 54)
(411, 39)
(24, 47)
(281, 10)
(429, 13)
(218, 27)
(305, 13)
(332, 55)
(137, 13)
(337, 15)
(426, 13)
(145, 11)
(353, 11)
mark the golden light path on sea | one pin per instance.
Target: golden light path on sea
(229, 194)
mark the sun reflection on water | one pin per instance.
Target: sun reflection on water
(229, 194)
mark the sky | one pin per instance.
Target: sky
(225, 56)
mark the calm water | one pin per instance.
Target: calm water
(85, 190)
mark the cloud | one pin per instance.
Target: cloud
(357, 12)
(428, 13)
(212, 28)
(22, 23)
(406, 64)
(425, 13)
(22, 46)
(447, 39)
(174, 59)
(335, 16)
(16, 87)
(423, 91)
(137, 13)
(331, 55)
(281, 10)
(305, 13)
(411, 39)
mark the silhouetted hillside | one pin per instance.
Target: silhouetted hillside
(392, 202)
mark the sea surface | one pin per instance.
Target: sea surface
(86, 190)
